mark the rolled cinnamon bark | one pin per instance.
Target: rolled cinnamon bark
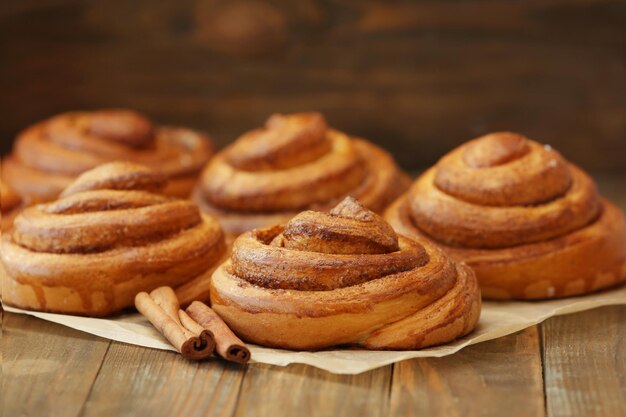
(161, 308)
(228, 345)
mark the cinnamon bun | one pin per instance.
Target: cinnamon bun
(111, 234)
(49, 155)
(295, 162)
(531, 224)
(343, 278)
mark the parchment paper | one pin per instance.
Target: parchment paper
(497, 319)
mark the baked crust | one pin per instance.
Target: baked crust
(10, 204)
(555, 238)
(49, 155)
(110, 235)
(343, 278)
(296, 162)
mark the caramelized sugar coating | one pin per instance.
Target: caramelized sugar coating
(530, 223)
(295, 162)
(110, 235)
(49, 155)
(343, 277)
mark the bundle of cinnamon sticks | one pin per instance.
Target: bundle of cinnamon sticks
(195, 332)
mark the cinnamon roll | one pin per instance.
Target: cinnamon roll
(295, 162)
(110, 235)
(531, 224)
(48, 156)
(343, 278)
(10, 203)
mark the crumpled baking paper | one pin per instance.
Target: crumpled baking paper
(497, 319)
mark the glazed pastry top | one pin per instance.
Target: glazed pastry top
(324, 251)
(113, 206)
(502, 190)
(340, 277)
(297, 162)
(75, 142)
(111, 234)
(60, 148)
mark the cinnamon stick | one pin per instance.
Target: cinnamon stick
(228, 346)
(161, 308)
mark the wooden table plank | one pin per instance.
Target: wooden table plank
(139, 381)
(300, 390)
(495, 378)
(585, 363)
(48, 369)
(583, 377)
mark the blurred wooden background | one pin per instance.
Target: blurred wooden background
(418, 77)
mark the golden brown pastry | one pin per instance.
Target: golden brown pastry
(295, 162)
(527, 221)
(49, 155)
(110, 235)
(343, 277)
(10, 203)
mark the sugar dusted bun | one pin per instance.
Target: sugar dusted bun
(343, 277)
(527, 221)
(110, 235)
(49, 155)
(296, 162)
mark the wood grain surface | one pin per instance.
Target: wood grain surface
(501, 377)
(138, 381)
(47, 370)
(585, 364)
(572, 366)
(415, 77)
(302, 390)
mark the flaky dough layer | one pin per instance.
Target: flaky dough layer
(343, 278)
(529, 223)
(296, 162)
(49, 155)
(111, 235)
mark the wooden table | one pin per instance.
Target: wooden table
(571, 365)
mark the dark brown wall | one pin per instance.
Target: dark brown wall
(418, 77)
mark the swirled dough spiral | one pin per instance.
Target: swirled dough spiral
(295, 162)
(343, 277)
(49, 155)
(530, 223)
(110, 235)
